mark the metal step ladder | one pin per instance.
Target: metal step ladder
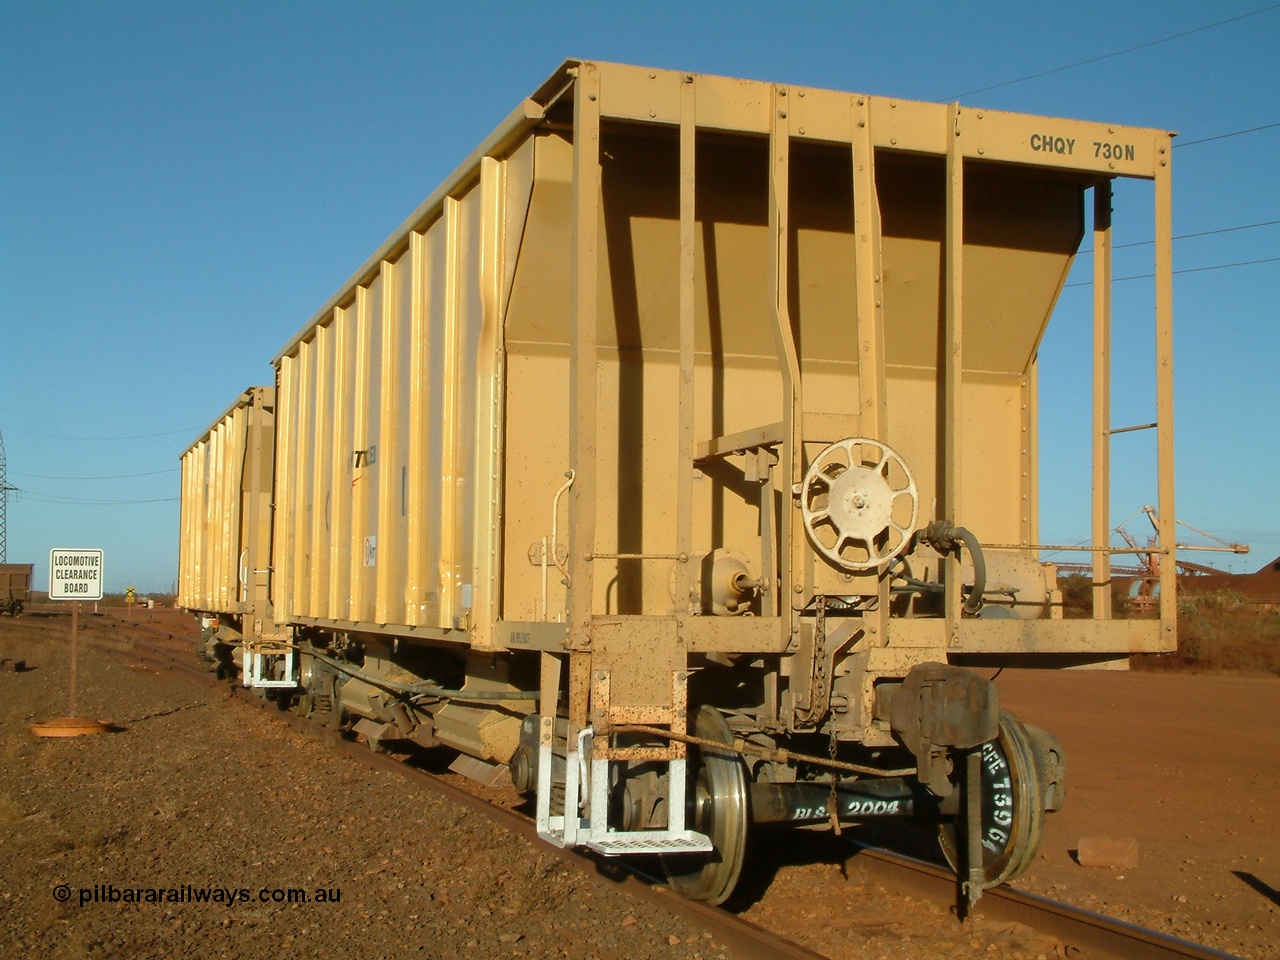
(262, 655)
(569, 828)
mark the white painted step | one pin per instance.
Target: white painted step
(650, 841)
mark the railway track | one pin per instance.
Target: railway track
(1084, 935)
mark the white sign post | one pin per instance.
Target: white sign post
(75, 575)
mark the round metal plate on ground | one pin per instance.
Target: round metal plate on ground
(69, 727)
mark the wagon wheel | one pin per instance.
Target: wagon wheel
(1012, 807)
(319, 701)
(859, 503)
(717, 807)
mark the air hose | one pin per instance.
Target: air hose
(944, 536)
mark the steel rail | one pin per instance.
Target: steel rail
(1097, 936)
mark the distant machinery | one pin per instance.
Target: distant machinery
(1147, 570)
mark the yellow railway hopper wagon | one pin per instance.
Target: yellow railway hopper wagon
(224, 545)
(679, 454)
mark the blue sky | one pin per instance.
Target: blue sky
(182, 185)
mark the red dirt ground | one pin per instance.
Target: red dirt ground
(1188, 765)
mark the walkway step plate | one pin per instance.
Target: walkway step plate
(650, 841)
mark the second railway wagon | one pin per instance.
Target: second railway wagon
(679, 453)
(15, 587)
(225, 525)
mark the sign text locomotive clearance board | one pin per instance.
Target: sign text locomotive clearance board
(75, 574)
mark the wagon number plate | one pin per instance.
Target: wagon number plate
(1114, 151)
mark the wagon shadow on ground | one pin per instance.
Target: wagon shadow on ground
(770, 851)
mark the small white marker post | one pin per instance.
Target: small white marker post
(74, 575)
(75, 616)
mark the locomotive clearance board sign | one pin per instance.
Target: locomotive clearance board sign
(75, 574)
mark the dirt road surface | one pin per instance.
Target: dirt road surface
(1190, 767)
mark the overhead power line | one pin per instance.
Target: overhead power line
(1224, 136)
(1116, 53)
(35, 497)
(140, 436)
(115, 476)
(1147, 276)
(1188, 236)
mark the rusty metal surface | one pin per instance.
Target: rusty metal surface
(15, 579)
(15, 586)
(69, 727)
